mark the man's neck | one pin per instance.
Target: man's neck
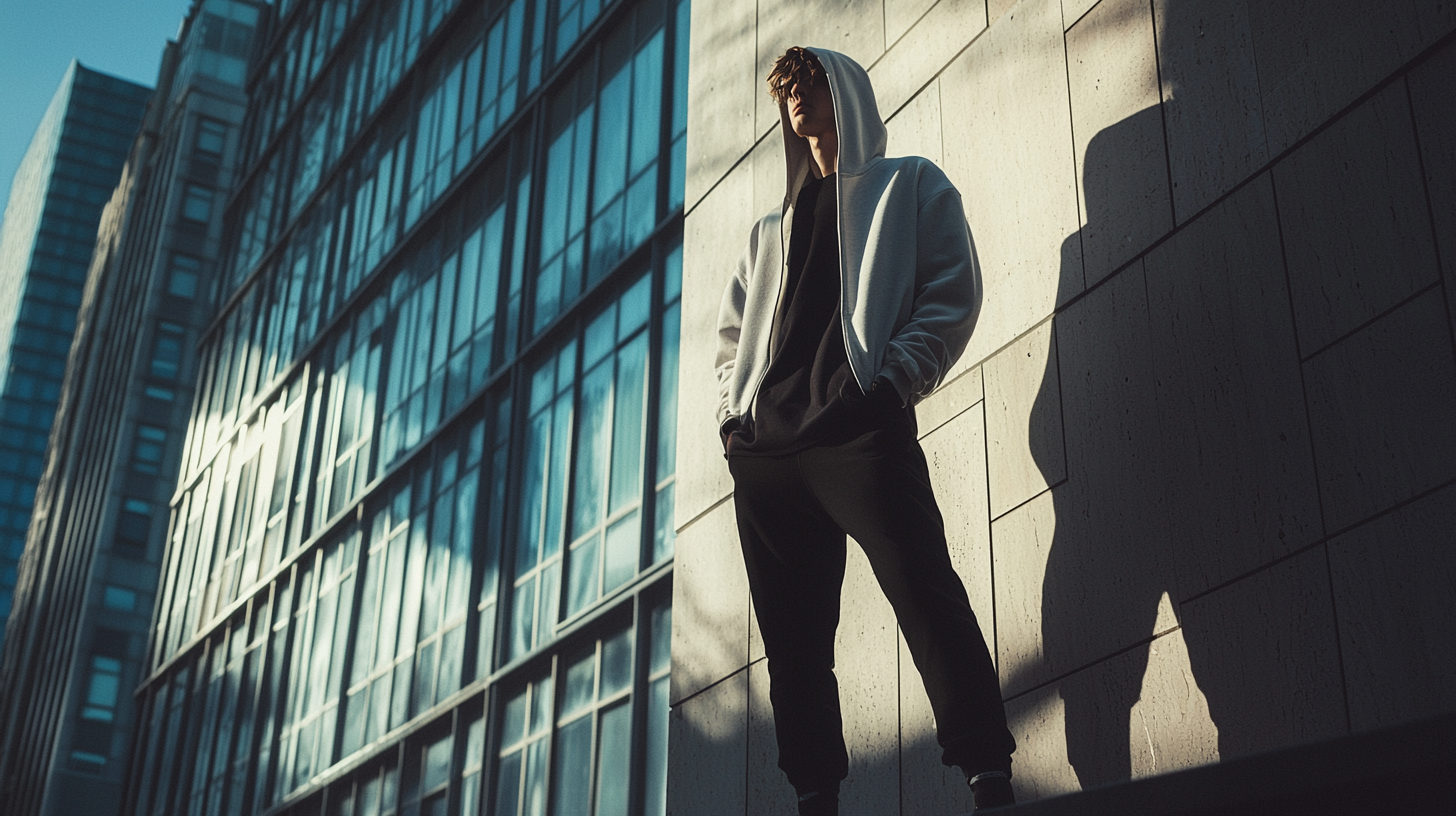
(825, 152)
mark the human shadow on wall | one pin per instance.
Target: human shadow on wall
(1127, 516)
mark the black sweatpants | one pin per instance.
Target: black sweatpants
(793, 513)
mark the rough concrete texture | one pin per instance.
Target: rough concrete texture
(1357, 235)
(1394, 586)
(710, 605)
(1117, 128)
(707, 761)
(1238, 468)
(1432, 85)
(1380, 412)
(1196, 464)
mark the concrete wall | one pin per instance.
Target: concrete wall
(1198, 464)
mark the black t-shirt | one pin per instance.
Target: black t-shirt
(809, 395)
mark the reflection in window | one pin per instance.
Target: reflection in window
(622, 170)
(444, 335)
(543, 502)
(572, 17)
(586, 441)
(410, 638)
(594, 731)
(350, 420)
(624, 196)
(563, 209)
(471, 97)
(427, 777)
(525, 745)
(664, 529)
(677, 178)
(472, 767)
(372, 793)
(493, 533)
(376, 208)
(320, 625)
(606, 529)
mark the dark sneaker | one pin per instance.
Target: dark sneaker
(992, 792)
(819, 803)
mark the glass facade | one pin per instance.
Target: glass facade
(65, 179)
(420, 549)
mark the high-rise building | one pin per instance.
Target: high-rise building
(78, 631)
(64, 179)
(420, 550)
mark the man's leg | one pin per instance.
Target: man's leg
(795, 554)
(877, 488)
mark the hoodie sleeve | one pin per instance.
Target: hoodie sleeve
(947, 299)
(730, 323)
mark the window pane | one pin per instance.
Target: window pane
(591, 452)
(119, 598)
(573, 768)
(613, 767)
(654, 798)
(612, 138)
(627, 430)
(197, 203)
(646, 103)
(616, 664)
(508, 785)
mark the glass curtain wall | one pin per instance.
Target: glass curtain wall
(420, 549)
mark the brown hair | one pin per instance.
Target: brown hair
(796, 66)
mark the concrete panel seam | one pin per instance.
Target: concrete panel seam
(1339, 641)
(1085, 666)
(1076, 185)
(1394, 508)
(695, 519)
(1030, 499)
(720, 681)
(726, 173)
(1163, 114)
(990, 534)
(1066, 26)
(1430, 207)
(1436, 284)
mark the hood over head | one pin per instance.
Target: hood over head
(862, 135)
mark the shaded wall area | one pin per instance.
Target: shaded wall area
(1197, 465)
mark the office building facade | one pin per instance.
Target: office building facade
(64, 180)
(83, 605)
(1196, 466)
(420, 550)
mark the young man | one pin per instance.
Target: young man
(849, 305)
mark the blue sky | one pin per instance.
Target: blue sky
(39, 38)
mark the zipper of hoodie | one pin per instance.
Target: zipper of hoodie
(843, 282)
(774, 321)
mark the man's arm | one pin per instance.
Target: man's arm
(947, 300)
(730, 325)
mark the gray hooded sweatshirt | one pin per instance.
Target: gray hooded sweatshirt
(910, 285)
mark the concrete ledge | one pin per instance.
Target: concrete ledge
(1403, 769)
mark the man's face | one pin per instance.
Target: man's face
(811, 109)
